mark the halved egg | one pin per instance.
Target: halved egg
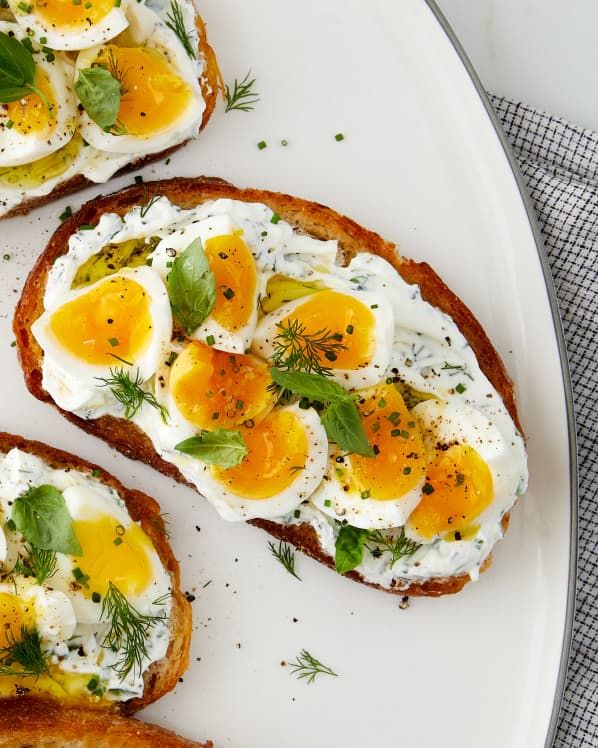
(70, 25)
(121, 320)
(381, 491)
(285, 461)
(232, 322)
(34, 126)
(114, 549)
(161, 100)
(348, 332)
(471, 475)
(216, 389)
(25, 605)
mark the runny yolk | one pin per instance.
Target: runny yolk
(234, 268)
(30, 114)
(344, 316)
(13, 615)
(400, 461)
(67, 13)
(215, 389)
(113, 553)
(458, 488)
(277, 449)
(153, 95)
(112, 318)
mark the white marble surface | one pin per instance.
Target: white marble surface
(541, 52)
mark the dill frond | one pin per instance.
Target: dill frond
(241, 97)
(307, 666)
(285, 555)
(129, 392)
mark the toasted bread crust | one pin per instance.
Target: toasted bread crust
(161, 676)
(37, 723)
(211, 85)
(310, 218)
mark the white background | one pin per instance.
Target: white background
(541, 52)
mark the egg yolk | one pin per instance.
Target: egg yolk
(214, 389)
(31, 115)
(62, 14)
(114, 554)
(277, 449)
(236, 278)
(345, 317)
(14, 614)
(153, 95)
(458, 488)
(400, 461)
(112, 318)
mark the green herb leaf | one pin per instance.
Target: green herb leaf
(222, 447)
(344, 426)
(350, 544)
(43, 519)
(308, 667)
(17, 71)
(100, 93)
(313, 386)
(191, 287)
(39, 563)
(26, 652)
(285, 555)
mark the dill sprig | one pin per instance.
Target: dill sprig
(397, 547)
(39, 563)
(118, 73)
(148, 202)
(176, 22)
(128, 633)
(285, 555)
(296, 349)
(241, 97)
(456, 369)
(129, 392)
(308, 667)
(26, 652)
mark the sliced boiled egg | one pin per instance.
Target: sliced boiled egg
(471, 475)
(232, 322)
(216, 389)
(121, 320)
(358, 326)
(114, 550)
(34, 126)
(27, 606)
(285, 461)
(381, 491)
(70, 25)
(161, 100)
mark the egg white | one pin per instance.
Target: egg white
(74, 384)
(152, 32)
(70, 39)
(365, 376)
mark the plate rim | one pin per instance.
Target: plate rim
(565, 370)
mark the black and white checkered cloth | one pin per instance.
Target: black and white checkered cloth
(559, 162)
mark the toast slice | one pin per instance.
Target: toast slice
(309, 218)
(211, 86)
(35, 723)
(162, 675)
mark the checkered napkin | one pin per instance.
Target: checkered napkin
(559, 162)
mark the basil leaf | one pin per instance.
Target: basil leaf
(99, 92)
(42, 518)
(350, 543)
(344, 426)
(191, 287)
(222, 447)
(313, 386)
(17, 68)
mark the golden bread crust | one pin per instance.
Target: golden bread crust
(211, 85)
(37, 723)
(161, 676)
(308, 217)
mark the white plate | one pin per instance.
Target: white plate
(423, 165)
